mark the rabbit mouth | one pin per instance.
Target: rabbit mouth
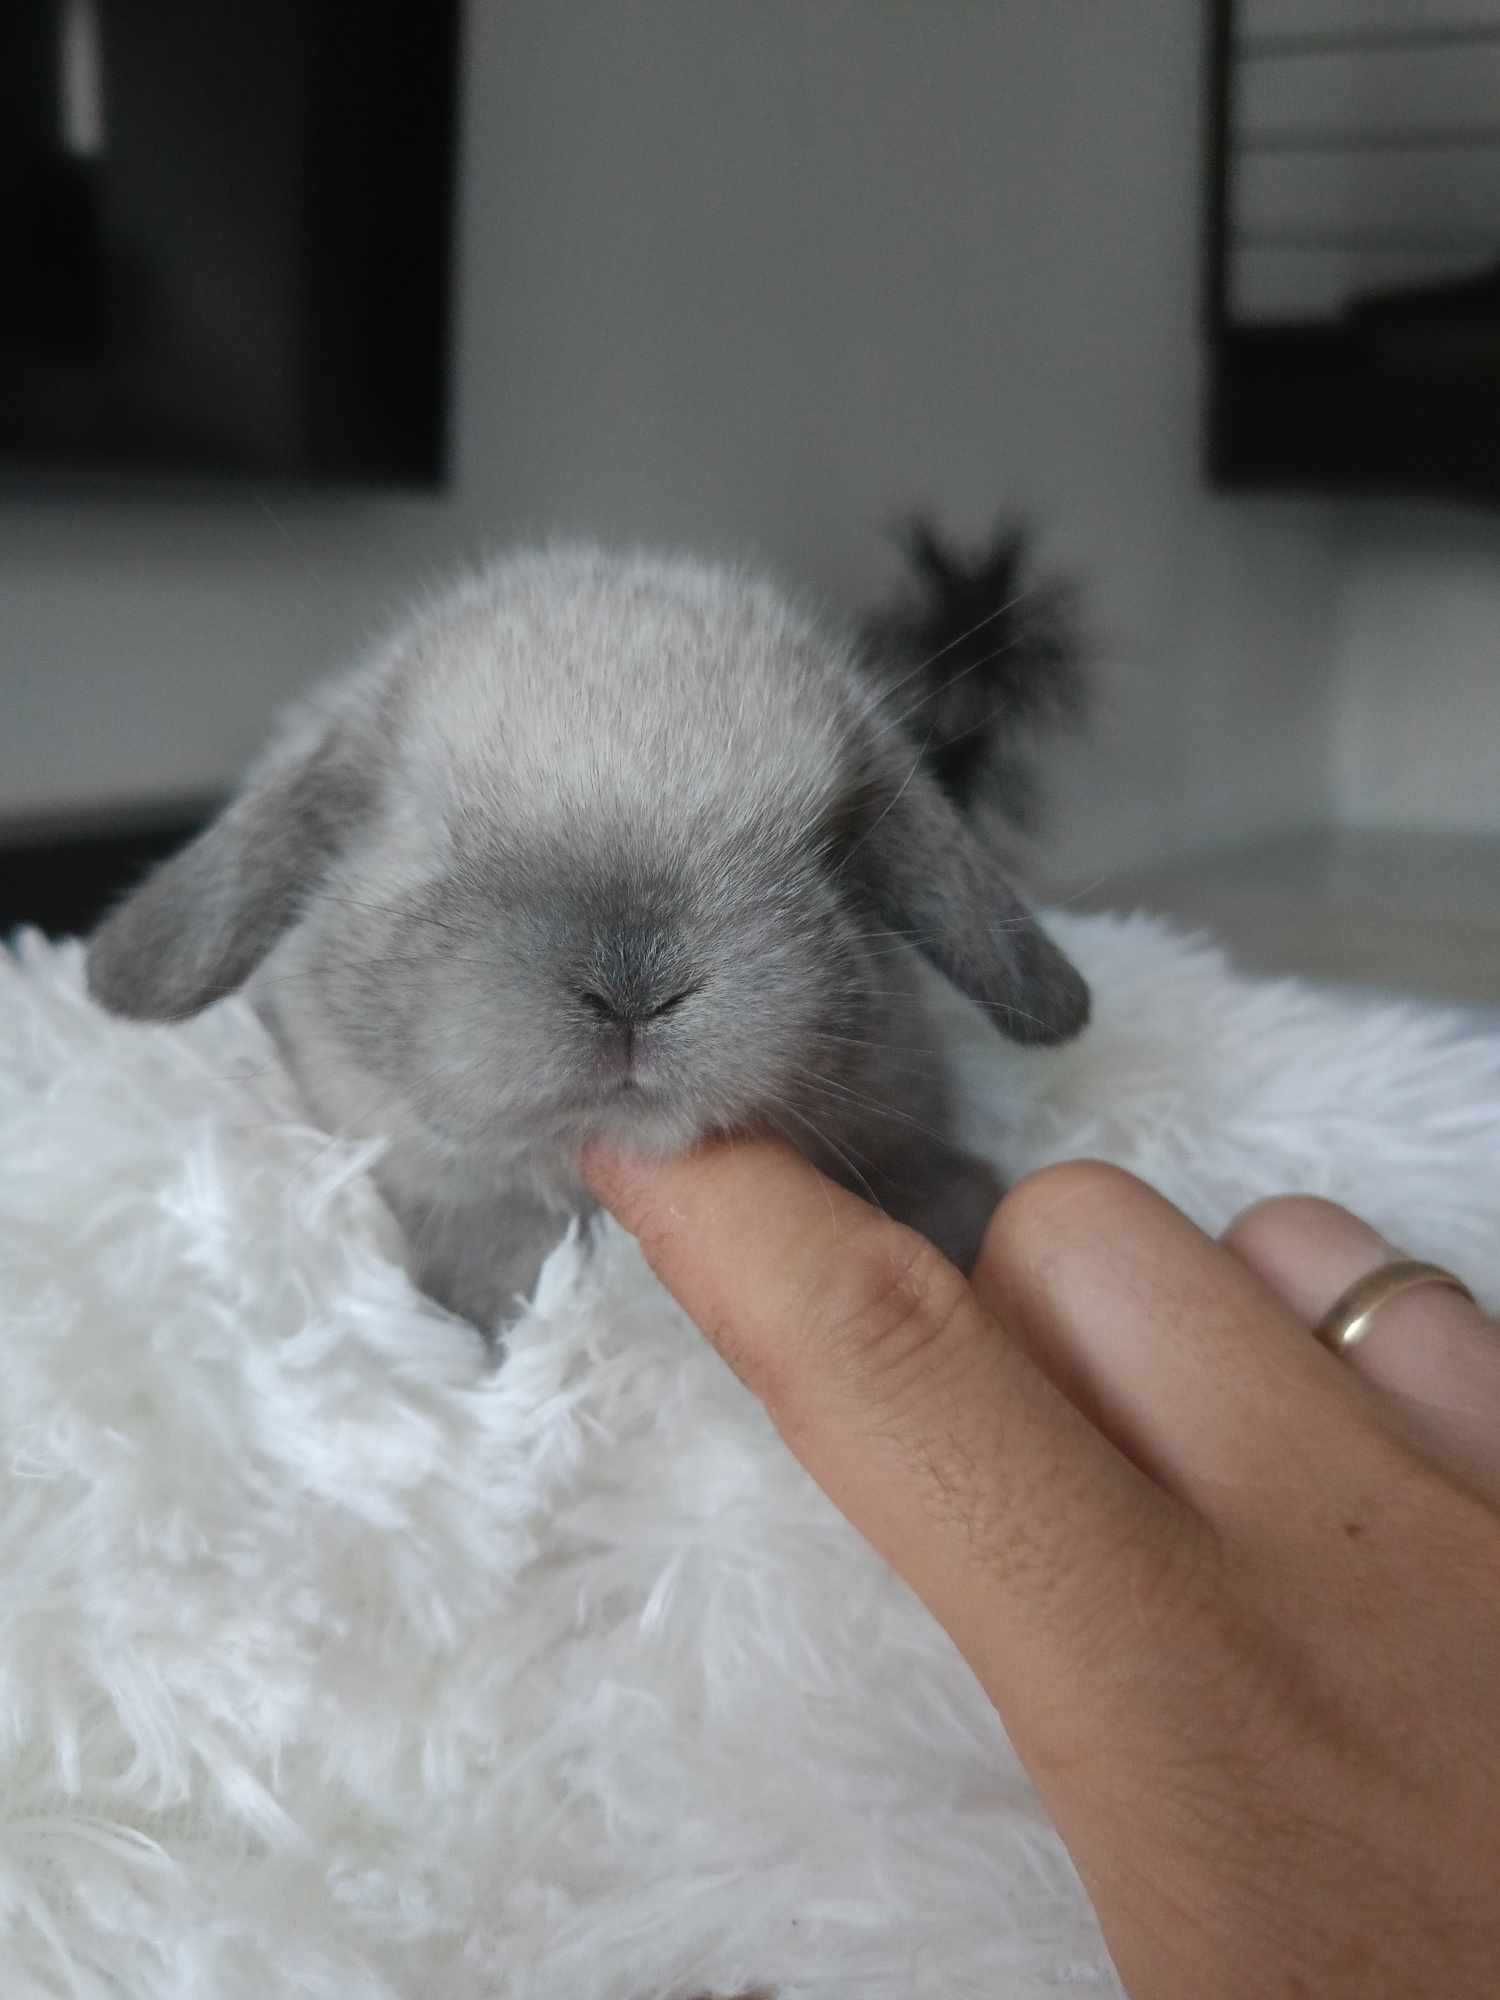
(614, 1107)
(624, 1091)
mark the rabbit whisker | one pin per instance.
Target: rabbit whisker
(833, 1147)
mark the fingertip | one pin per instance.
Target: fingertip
(611, 1176)
(732, 1201)
(626, 1184)
(1259, 1230)
(1070, 1198)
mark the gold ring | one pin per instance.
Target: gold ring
(1348, 1319)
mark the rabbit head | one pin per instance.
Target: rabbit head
(595, 846)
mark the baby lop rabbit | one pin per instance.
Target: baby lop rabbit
(598, 847)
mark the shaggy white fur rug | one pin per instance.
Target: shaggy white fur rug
(333, 1665)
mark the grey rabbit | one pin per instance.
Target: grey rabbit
(624, 847)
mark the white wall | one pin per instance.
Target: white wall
(756, 275)
(1417, 734)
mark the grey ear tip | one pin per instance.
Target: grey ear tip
(125, 982)
(1058, 1014)
(107, 978)
(98, 977)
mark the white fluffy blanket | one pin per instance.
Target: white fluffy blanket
(332, 1664)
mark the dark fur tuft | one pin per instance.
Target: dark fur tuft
(979, 660)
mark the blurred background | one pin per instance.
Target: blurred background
(310, 301)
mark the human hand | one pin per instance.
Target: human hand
(1238, 1607)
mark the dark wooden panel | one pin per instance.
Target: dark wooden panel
(62, 875)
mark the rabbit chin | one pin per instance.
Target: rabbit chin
(646, 1121)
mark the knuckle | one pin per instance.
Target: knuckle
(893, 1314)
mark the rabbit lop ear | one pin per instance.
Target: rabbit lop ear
(926, 873)
(200, 924)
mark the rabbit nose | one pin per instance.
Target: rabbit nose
(629, 1010)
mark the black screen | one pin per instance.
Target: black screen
(224, 236)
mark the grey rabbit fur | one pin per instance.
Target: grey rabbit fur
(597, 846)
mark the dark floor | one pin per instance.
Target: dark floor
(61, 875)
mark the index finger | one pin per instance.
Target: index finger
(1020, 1526)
